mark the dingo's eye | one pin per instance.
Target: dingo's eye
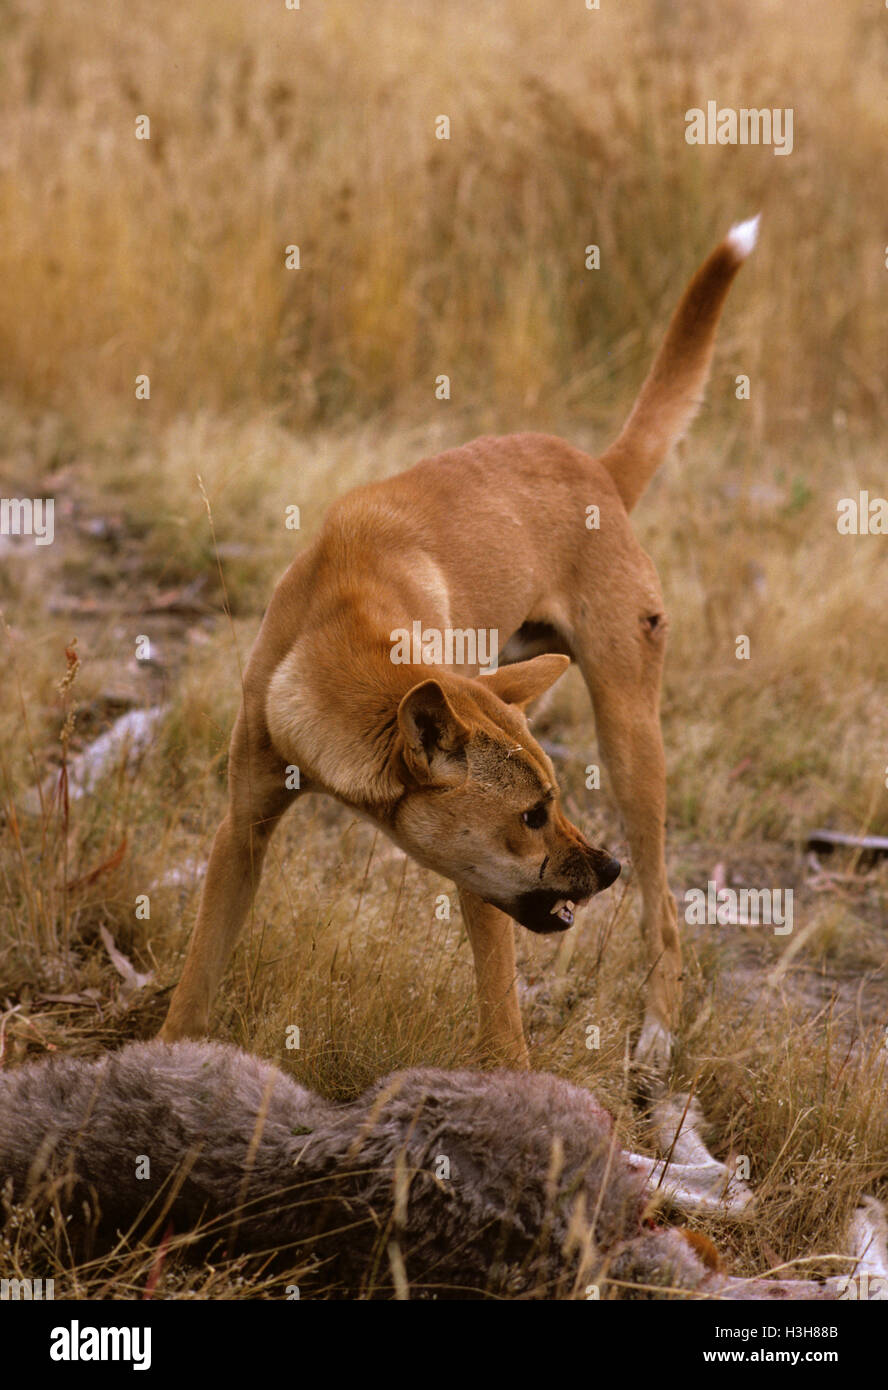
(536, 817)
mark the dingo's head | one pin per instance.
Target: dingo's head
(480, 803)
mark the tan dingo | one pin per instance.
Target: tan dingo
(488, 538)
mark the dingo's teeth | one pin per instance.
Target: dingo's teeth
(564, 909)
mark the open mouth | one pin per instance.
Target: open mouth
(564, 909)
(546, 909)
(542, 912)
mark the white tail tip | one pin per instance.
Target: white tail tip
(743, 237)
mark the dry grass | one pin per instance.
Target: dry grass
(419, 256)
(278, 387)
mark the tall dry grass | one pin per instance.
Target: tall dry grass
(272, 127)
(421, 257)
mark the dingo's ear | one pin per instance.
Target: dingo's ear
(433, 735)
(523, 681)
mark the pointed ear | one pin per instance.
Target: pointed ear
(524, 680)
(433, 736)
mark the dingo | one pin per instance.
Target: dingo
(488, 537)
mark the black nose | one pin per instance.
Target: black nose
(609, 873)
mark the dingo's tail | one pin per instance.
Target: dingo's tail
(673, 389)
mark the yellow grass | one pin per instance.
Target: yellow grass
(422, 257)
(272, 127)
